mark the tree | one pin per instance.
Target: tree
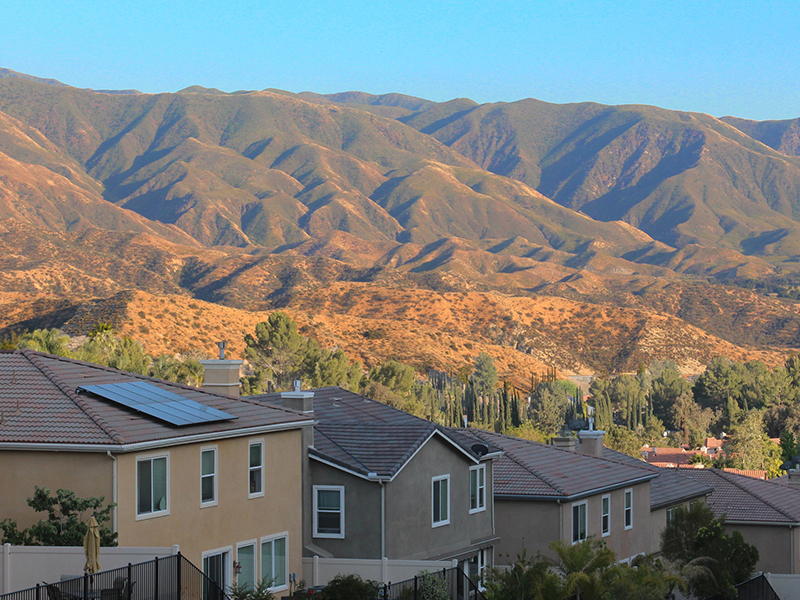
(484, 377)
(334, 368)
(66, 520)
(51, 341)
(750, 448)
(395, 376)
(277, 351)
(548, 407)
(527, 579)
(623, 440)
(603, 412)
(694, 534)
(667, 387)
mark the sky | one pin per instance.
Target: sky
(738, 57)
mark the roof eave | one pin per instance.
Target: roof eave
(579, 495)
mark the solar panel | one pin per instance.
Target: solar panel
(161, 404)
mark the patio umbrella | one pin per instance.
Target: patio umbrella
(91, 547)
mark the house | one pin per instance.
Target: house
(574, 489)
(767, 513)
(217, 475)
(381, 483)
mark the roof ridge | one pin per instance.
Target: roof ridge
(727, 476)
(35, 359)
(544, 478)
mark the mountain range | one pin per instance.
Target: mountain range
(260, 199)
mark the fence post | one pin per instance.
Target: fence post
(415, 587)
(155, 581)
(178, 574)
(85, 586)
(38, 593)
(130, 577)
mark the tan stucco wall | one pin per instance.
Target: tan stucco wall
(776, 544)
(235, 518)
(524, 525)
(85, 473)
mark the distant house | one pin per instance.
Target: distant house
(383, 483)
(767, 513)
(217, 475)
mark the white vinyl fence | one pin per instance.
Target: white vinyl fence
(319, 571)
(22, 567)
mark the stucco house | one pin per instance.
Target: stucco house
(575, 489)
(383, 483)
(217, 475)
(767, 513)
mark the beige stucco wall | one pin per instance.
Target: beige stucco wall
(524, 525)
(85, 473)
(235, 518)
(777, 545)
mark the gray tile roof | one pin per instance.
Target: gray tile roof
(745, 499)
(51, 412)
(534, 470)
(366, 436)
(670, 487)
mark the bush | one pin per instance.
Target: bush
(350, 587)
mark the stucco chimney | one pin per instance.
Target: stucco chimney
(567, 442)
(299, 400)
(221, 376)
(591, 442)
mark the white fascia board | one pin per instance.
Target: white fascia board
(341, 468)
(153, 444)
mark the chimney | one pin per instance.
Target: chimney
(591, 442)
(564, 441)
(794, 478)
(299, 400)
(221, 376)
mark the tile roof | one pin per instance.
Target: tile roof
(51, 412)
(531, 469)
(367, 436)
(756, 473)
(670, 487)
(745, 499)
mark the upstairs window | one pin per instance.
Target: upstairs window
(441, 500)
(477, 488)
(328, 511)
(152, 490)
(605, 515)
(208, 477)
(256, 469)
(578, 522)
(628, 509)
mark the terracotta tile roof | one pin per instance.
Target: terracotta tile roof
(670, 487)
(745, 499)
(713, 443)
(673, 456)
(50, 411)
(367, 436)
(531, 469)
(747, 472)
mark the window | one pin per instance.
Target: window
(605, 518)
(217, 567)
(578, 522)
(256, 469)
(329, 511)
(208, 477)
(670, 516)
(246, 557)
(476, 566)
(152, 486)
(477, 488)
(628, 509)
(441, 500)
(273, 561)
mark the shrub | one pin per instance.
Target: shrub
(350, 587)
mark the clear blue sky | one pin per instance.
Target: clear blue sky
(738, 57)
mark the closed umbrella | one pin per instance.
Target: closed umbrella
(91, 547)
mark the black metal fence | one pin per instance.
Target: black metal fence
(757, 588)
(458, 585)
(168, 578)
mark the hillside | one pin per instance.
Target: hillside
(265, 199)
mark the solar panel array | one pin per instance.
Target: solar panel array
(146, 398)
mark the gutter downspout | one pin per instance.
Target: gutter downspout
(791, 549)
(383, 520)
(560, 520)
(114, 491)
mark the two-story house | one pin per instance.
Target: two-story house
(381, 483)
(217, 475)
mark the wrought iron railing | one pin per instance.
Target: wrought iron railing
(459, 586)
(167, 578)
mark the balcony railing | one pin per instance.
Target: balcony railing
(167, 578)
(459, 586)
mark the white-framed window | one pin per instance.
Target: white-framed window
(329, 511)
(440, 492)
(628, 509)
(578, 522)
(477, 488)
(273, 560)
(217, 567)
(255, 474)
(670, 515)
(246, 557)
(152, 486)
(605, 515)
(208, 476)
